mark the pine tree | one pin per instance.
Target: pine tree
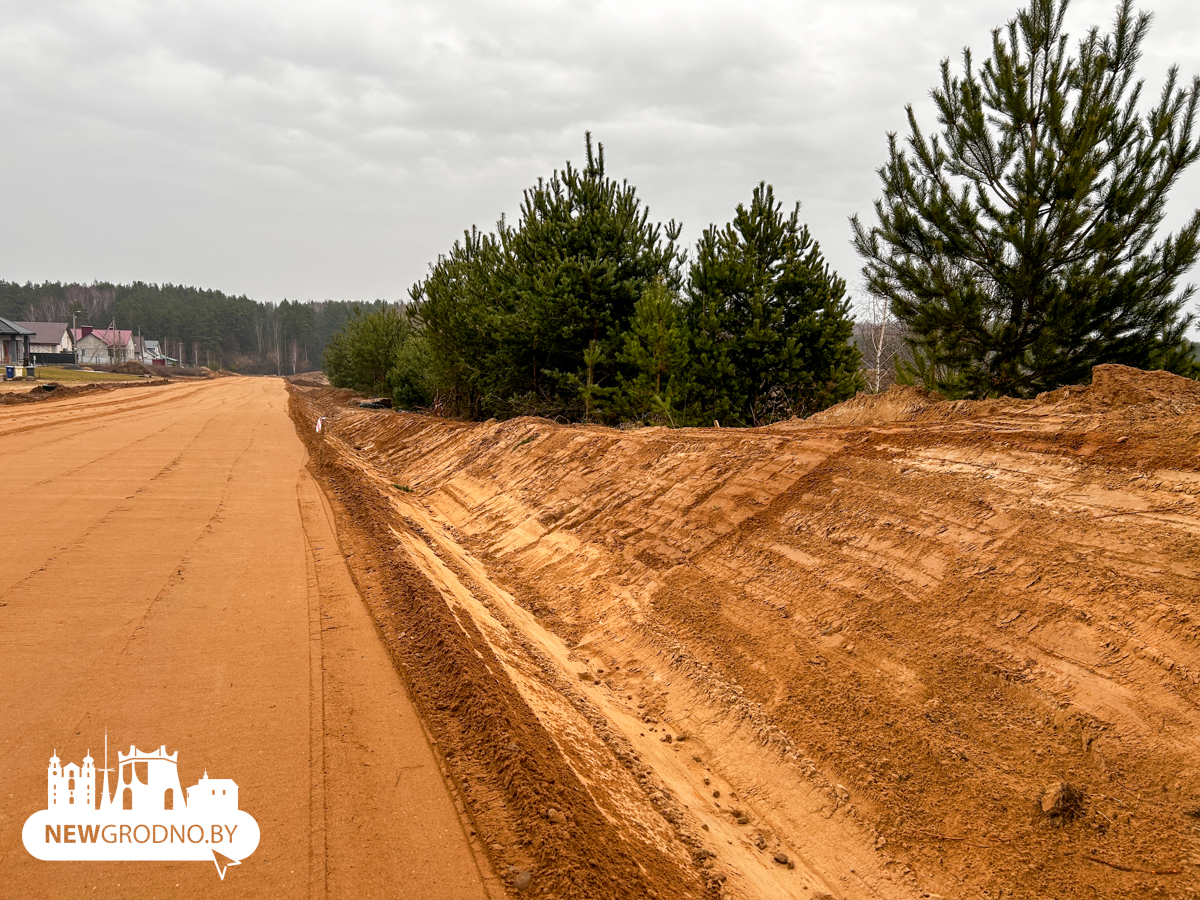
(1016, 244)
(458, 307)
(582, 253)
(364, 354)
(656, 349)
(768, 318)
(514, 317)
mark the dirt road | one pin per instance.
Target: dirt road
(849, 657)
(169, 575)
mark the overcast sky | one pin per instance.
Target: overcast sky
(313, 150)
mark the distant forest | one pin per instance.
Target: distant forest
(198, 327)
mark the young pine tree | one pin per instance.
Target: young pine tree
(769, 321)
(656, 349)
(582, 253)
(459, 306)
(1018, 244)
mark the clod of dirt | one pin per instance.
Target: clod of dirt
(781, 858)
(586, 676)
(556, 817)
(842, 792)
(522, 879)
(1061, 802)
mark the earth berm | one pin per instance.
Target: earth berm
(848, 656)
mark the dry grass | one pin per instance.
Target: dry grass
(74, 376)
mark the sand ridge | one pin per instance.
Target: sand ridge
(882, 634)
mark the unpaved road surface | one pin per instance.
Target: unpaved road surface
(848, 657)
(169, 573)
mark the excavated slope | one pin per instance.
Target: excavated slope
(850, 656)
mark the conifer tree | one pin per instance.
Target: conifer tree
(656, 348)
(363, 354)
(458, 308)
(1018, 243)
(531, 319)
(769, 320)
(582, 253)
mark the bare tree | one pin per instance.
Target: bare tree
(50, 309)
(881, 340)
(277, 335)
(94, 303)
(294, 353)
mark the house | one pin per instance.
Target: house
(152, 355)
(14, 339)
(104, 346)
(48, 338)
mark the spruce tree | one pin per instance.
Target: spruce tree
(1018, 243)
(769, 320)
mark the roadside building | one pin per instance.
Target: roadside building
(104, 346)
(14, 339)
(51, 342)
(152, 355)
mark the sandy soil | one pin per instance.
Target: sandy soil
(170, 573)
(20, 392)
(843, 657)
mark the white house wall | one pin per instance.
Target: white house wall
(93, 351)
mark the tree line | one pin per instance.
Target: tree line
(198, 327)
(1015, 246)
(585, 309)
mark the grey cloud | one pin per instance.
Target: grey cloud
(332, 149)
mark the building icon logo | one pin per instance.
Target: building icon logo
(145, 816)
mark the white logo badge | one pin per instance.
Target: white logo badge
(146, 817)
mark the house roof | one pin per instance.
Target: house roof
(106, 335)
(45, 332)
(7, 327)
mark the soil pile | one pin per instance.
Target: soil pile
(865, 643)
(52, 390)
(133, 367)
